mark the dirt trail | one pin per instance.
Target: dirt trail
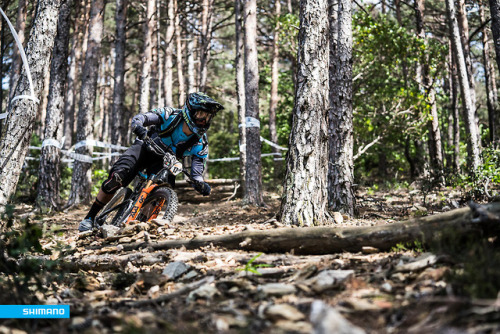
(211, 290)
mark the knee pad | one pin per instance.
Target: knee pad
(113, 183)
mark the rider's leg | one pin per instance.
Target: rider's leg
(101, 200)
(120, 175)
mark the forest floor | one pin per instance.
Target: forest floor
(213, 290)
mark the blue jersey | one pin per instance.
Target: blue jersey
(163, 119)
(177, 137)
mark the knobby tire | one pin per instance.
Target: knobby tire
(154, 199)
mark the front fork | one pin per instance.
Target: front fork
(140, 201)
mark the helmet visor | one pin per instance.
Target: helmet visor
(202, 118)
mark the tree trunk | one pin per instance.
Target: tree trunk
(169, 51)
(49, 175)
(494, 99)
(190, 50)
(305, 188)
(119, 73)
(2, 53)
(253, 179)
(340, 138)
(16, 55)
(180, 63)
(240, 88)
(81, 180)
(456, 124)
(161, 99)
(75, 57)
(22, 111)
(491, 98)
(273, 102)
(495, 27)
(463, 26)
(473, 151)
(206, 40)
(434, 134)
(147, 57)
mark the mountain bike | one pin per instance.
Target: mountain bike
(151, 195)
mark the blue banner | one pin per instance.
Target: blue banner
(34, 311)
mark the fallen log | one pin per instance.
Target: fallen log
(328, 240)
(211, 182)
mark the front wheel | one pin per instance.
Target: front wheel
(160, 200)
(114, 217)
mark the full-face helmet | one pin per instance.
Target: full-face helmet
(198, 112)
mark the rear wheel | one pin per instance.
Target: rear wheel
(161, 201)
(114, 217)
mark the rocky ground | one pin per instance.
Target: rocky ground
(213, 290)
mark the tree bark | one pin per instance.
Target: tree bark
(169, 51)
(240, 88)
(273, 102)
(190, 51)
(180, 63)
(463, 26)
(253, 179)
(495, 27)
(340, 138)
(434, 142)
(491, 95)
(206, 40)
(17, 62)
(77, 41)
(81, 180)
(161, 98)
(329, 240)
(305, 196)
(473, 151)
(49, 174)
(22, 112)
(119, 73)
(147, 57)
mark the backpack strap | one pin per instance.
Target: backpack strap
(171, 127)
(181, 148)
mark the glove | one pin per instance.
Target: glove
(202, 187)
(141, 132)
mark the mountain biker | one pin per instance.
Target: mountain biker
(181, 132)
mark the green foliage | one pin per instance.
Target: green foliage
(388, 101)
(98, 177)
(416, 246)
(474, 187)
(20, 275)
(252, 268)
(26, 190)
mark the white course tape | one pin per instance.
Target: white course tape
(250, 122)
(51, 142)
(4, 115)
(79, 157)
(238, 158)
(25, 62)
(97, 143)
(273, 144)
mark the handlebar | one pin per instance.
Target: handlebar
(161, 152)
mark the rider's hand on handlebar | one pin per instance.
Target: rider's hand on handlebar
(141, 132)
(202, 187)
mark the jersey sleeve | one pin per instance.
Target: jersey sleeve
(145, 119)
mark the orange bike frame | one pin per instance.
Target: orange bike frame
(140, 201)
